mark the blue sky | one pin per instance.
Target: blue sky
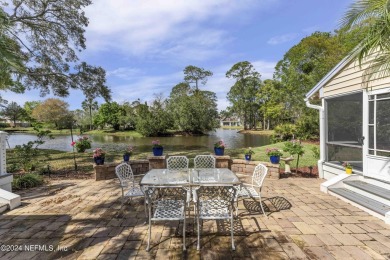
(144, 45)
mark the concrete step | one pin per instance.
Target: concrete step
(370, 189)
(3, 207)
(369, 203)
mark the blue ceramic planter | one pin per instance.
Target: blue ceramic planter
(158, 151)
(99, 160)
(274, 159)
(248, 157)
(219, 151)
(126, 157)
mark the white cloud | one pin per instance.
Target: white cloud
(74, 99)
(266, 68)
(282, 38)
(124, 72)
(145, 87)
(180, 28)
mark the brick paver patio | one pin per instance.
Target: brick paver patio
(84, 219)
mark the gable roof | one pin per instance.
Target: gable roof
(336, 69)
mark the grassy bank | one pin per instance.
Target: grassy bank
(62, 162)
(232, 127)
(113, 132)
(76, 131)
(257, 132)
(30, 130)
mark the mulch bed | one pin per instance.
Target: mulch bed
(303, 172)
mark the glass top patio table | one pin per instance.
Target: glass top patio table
(204, 176)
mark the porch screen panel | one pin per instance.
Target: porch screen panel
(345, 116)
(345, 129)
(338, 154)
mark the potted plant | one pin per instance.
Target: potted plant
(248, 154)
(128, 152)
(348, 167)
(219, 148)
(81, 144)
(98, 156)
(157, 148)
(274, 154)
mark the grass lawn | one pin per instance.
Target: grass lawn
(307, 159)
(62, 162)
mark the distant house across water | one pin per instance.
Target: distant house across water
(7, 121)
(231, 121)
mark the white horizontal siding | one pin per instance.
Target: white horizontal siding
(350, 79)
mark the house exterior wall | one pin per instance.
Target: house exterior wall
(349, 80)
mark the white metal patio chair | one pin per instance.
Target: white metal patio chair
(177, 163)
(126, 178)
(166, 204)
(204, 161)
(180, 163)
(215, 202)
(253, 190)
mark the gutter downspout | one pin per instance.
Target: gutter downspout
(322, 134)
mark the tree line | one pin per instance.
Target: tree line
(278, 103)
(188, 109)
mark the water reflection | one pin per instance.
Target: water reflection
(143, 144)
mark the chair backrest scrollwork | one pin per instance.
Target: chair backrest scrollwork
(204, 161)
(259, 175)
(125, 174)
(177, 163)
(217, 197)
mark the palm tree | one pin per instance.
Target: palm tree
(375, 15)
(90, 104)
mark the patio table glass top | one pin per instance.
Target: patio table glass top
(205, 176)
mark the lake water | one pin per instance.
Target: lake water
(143, 144)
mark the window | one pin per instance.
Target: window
(379, 125)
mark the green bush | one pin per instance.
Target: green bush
(44, 170)
(316, 152)
(308, 128)
(27, 153)
(28, 180)
(11, 168)
(4, 125)
(284, 132)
